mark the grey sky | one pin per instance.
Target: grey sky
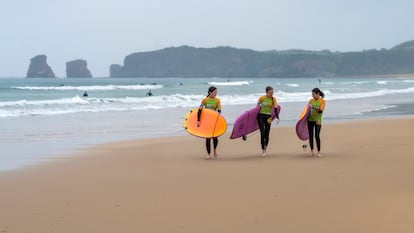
(105, 31)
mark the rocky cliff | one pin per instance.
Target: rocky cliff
(39, 68)
(77, 69)
(229, 62)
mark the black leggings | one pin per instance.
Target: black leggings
(208, 144)
(264, 127)
(312, 126)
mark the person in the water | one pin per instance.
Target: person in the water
(210, 102)
(315, 119)
(268, 107)
(85, 94)
(149, 93)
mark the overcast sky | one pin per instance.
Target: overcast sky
(104, 31)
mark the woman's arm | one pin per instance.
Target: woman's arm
(275, 108)
(259, 102)
(276, 113)
(203, 103)
(323, 104)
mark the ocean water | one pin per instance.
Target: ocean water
(42, 119)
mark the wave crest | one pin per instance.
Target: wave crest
(90, 88)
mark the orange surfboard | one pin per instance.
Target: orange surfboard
(212, 123)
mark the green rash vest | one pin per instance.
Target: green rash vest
(211, 103)
(266, 105)
(315, 115)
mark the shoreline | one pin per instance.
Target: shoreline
(165, 185)
(409, 75)
(66, 152)
(378, 76)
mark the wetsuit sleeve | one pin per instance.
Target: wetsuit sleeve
(199, 113)
(276, 113)
(275, 107)
(203, 103)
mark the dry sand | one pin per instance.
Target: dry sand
(364, 183)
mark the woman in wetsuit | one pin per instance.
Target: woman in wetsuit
(210, 102)
(268, 106)
(315, 119)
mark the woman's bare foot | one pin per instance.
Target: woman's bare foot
(208, 157)
(264, 153)
(215, 154)
(319, 154)
(311, 154)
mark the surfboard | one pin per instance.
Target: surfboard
(247, 123)
(302, 124)
(212, 123)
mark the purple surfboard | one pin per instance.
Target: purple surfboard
(302, 125)
(246, 123)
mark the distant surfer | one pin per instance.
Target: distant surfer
(210, 102)
(320, 81)
(149, 93)
(315, 119)
(268, 106)
(85, 94)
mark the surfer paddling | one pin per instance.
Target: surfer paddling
(315, 119)
(210, 102)
(268, 107)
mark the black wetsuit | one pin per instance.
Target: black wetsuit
(264, 127)
(313, 127)
(315, 121)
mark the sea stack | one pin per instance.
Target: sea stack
(77, 69)
(39, 68)
(115, 70)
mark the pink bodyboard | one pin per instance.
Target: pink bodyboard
(246, 123)
(302, 124)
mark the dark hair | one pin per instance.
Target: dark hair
(211, 89)
(318, 91)
(269, 88)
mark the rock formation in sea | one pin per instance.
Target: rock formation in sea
(115, 70)
(39, 68)
(77, 69)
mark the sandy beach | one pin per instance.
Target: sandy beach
(363, 183)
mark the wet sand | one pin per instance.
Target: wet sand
(363, 183)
